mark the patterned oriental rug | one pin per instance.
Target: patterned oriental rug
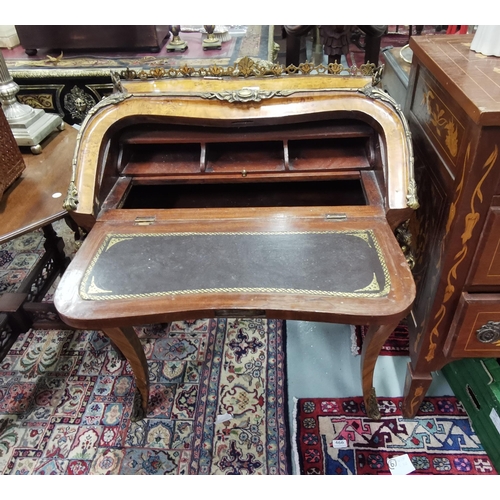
(66, 399)
(438, 441)
(398, 343)
(66, 396)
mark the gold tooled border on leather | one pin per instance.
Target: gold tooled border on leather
(111, 239)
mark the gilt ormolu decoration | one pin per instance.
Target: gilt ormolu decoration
(403, 235)
(71, 201)
(78, 103)
(249, 67)
(246, 94)
(376, 93)
(246, 67)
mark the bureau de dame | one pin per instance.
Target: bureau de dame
(270, 196)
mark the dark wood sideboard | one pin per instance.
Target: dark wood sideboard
(453, 107)
(100, 37)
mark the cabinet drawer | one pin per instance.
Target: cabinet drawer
(485, 269)
(245, 156)
(475, 330)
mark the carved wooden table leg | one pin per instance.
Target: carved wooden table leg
(374, 340)
(128, 343)
(79, 233)
(54, 243)
(416, 385)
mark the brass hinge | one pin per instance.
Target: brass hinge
(338, 216)
(145, 221)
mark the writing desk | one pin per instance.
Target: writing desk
(271, 197)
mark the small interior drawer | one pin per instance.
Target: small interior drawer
(475, 330)
(328, 154)
(245, 156)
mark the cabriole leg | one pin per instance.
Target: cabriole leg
(375, 338)
(128, 343)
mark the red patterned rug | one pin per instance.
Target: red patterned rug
(335, 437)
(397, 344)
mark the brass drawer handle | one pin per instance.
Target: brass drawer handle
(488, 333)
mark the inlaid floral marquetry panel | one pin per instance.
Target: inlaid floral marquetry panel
(442, 123)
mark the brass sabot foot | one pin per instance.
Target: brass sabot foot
(138, 412)
(372, 406)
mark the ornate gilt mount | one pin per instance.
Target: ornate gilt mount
(489, 333)
(246, 94)
(404, 238)
(71, 200)
(372, 409)
(375, 93)
(78, 103)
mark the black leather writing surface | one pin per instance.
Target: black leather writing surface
(330, 263)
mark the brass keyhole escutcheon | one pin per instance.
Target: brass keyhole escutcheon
(244, 173)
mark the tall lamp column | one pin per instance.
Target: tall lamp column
(29, 126)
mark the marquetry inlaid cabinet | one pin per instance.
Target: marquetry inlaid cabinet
(453, 107)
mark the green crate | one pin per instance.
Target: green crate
(476, 383)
